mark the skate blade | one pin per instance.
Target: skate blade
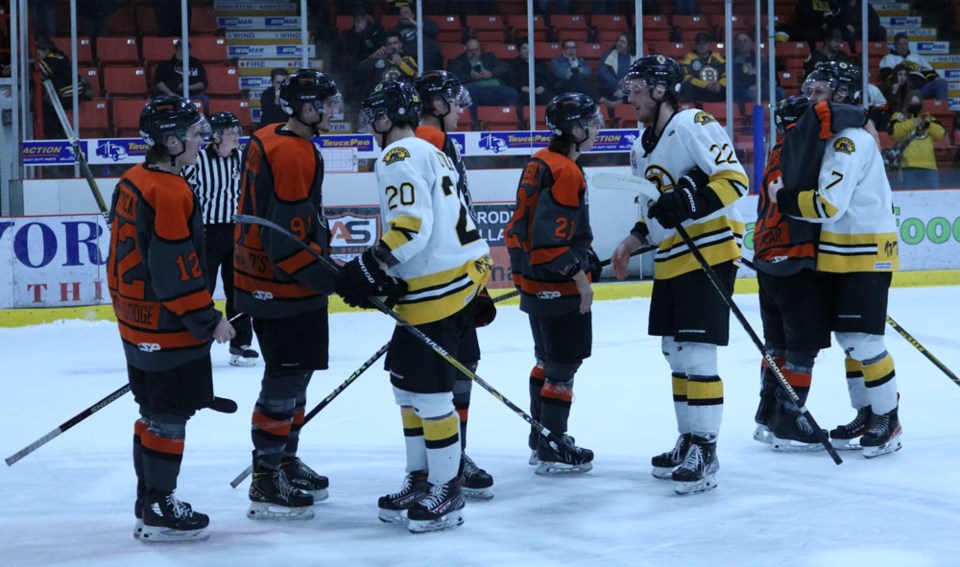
(447, 521)
(478, 493)
(534, 460)
(763, 435)
(272, 512)
(708, 482)
(138, 529)
(157, 534)
(891, 446)
(662, 473)
(242, 362)
(548, 468)
(318, 495)
(846, 444)
(793, 446)
(392, 517)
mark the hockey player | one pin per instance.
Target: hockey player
(689, 158)
(549, 240)
(794, 297)
(431, 243)
(215, 179)
(444, 99)
(167, 319)
(285, 290)
(858, 251)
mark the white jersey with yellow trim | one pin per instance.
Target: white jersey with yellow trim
(693, 138)
(433, 241)
(854, 205)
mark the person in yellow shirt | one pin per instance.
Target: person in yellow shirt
(915, 132)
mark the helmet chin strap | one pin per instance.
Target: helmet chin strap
(383, 135)
(443, 123)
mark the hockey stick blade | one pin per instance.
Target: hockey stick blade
(223, 405)
(771, 363)
(606, 180)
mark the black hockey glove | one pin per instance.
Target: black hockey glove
(361, 278)
(486, 310)
(684, 202)
(594, 268)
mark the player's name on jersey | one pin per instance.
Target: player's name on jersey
(902, 21)
(269, 51)
(284, 36)
(914, 34)
(259, 22)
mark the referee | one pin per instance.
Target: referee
(216, 181)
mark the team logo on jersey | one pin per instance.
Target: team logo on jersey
(395, 155)
(704, 118)
(262, 295)
(844, 145)
(660, 177)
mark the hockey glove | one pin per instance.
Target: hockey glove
(361, 278)
(486, 311)
(684, 202)
(594, 267)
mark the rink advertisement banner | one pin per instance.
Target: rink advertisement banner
(259, 22)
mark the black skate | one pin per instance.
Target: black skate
(792, 433)
(272, 497)
(562, 459)
(883, 437)
(243, 356)
(166, 519)
(440, 509)
(476, 481)
(847, 437)
(698, 472)
(306, 479)
(664, 463)
(415, 488)
(763, 418)
(138, 509)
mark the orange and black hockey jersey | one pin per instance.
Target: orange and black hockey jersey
(282, 180)
(549, 236)
(155, 271)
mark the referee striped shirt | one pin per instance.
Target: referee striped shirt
(216, 182)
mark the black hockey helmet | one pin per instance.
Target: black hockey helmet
(220, 121)
(567, 110)
(849, 79)
(307, 85)
(170, 115)
(655, 70)
(443, 84)
(397, 100)
(789, 110)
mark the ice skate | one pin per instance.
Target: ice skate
(534, 460)
(763, 417)
(138, 511)
(566, 459)
(272, 497)
(392, 506)
(847, 437)
(477, 482)
(792, 433)
(883, 437)
(440, 509)
(664, 463)
(166, 519)
(698, 472)
(243, 356)
(306, 479)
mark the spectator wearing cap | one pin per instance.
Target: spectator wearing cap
(922, 75)
(571, 73)
(832, 50)
(270, 111)
(169, 76)
(483, 75)
(706, 73)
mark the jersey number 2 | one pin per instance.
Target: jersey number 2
(466, 235)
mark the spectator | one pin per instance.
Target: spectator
(483, 75)
(407, 29)
(361, 41)
(388, 63)
(613, 67)
(518, 76)
(706, 73)
(43, 15)
(745, 73)
(55, 65)
(270, 111)
(571, 74)
(812, 18)
(832, 50)
(95, 17)
(896, 89)
(849, 20)
(169, 77)
(915, 132)
(922, 75)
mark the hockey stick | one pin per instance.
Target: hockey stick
(632, 183)
(222, 405)
(75, 144)
(771, 363)
(536, 425)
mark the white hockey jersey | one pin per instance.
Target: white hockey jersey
(694, 138)
(433, 241)
(854, 205)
